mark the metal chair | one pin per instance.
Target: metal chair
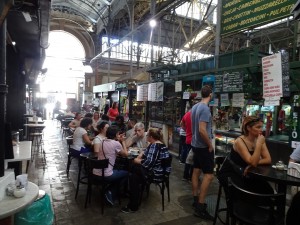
(163, 184)
(218, 162)
(96, 180)
(254, 208)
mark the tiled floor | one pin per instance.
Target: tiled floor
(53, 179)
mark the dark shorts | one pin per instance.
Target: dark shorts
(204, 160)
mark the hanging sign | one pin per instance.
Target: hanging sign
(178, 86)
(225, 99)
(272, 77)
(238, 100)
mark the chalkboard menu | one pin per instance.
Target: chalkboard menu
(218, 83)
(233, 82)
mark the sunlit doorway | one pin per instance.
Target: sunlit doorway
(62, 82)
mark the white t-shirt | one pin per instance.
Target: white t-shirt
(78, 139)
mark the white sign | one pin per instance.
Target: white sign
(178, 86)
(186, 95)
(271, 102)
(139, 93)
(272, 77)
(238, 100)
(156, 92)
(225, 99)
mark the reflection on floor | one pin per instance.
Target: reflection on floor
(54, 181)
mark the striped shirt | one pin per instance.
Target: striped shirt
(152, 159)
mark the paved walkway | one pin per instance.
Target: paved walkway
(53, 179)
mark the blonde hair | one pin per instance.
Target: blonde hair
(155, 133)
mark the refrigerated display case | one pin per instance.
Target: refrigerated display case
(223, 143)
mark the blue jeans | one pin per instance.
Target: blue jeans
(118, 179)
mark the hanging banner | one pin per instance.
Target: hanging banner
(272, 77)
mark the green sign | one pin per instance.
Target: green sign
(241, 14)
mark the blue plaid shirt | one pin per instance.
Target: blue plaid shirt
(152, 159)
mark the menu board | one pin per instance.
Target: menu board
(233, 82)
(218, 83)
(156, 92)
(142, 92)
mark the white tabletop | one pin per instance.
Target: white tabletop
(34, 125)
(30, 120)
(22, 151)
(11, 205)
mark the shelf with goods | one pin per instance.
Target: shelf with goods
(138, 110)
(156, 112)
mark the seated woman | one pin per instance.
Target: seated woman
(81, 138)
(109, 149)
(102, 128)
(249, 150)
(148, 162)
(96, 119)
(76, 121)
(139, 137)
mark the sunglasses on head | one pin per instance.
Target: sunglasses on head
(252, 121)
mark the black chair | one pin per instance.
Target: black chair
(162, 184)
(65, 127)
(218, 162)
(96, 180)
(70, 155)
(254, 208)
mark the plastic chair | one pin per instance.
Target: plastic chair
(162, 184)
(96, 180)
(218, 162)
(254, 208)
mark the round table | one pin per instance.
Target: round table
(11, 205)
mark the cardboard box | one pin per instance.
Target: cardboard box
(294, 169)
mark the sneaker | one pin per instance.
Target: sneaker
(184, 179)
(201, 212)
(109, 198)
(126, 209)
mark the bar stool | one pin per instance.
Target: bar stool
(36, 136)
(218, 161)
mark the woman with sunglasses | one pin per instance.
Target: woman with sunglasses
(249, 150)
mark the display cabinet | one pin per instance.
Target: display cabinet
(223, 144)
(138, 110)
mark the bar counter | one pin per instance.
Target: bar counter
(278, 145)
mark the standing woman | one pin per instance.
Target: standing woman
(113, 112)
(81, 138)
(148, 162)
(102, 128)
(249, 150)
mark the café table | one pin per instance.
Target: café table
(31, 120)
(11, 205)
(279, 177)
(22, 152)
(32, 127)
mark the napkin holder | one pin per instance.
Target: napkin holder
(294, 169)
